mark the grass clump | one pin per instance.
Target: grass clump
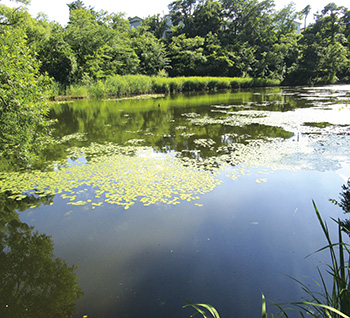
(128, 85)
(80, 90)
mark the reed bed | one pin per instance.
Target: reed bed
(129, 85)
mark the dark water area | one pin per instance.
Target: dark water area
(205, 197)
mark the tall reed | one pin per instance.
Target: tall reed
(128, 85)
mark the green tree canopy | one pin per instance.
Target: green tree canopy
(150, 51)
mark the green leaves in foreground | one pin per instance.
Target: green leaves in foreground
(212, 313)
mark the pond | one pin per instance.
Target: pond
(206, 197)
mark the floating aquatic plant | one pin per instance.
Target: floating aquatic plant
(204, 142)
(116, 177)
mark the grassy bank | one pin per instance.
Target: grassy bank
(128, 85)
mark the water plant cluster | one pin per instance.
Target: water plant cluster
(115, 175)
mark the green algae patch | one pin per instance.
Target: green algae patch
(114, 176)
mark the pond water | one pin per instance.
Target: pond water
(205, 197)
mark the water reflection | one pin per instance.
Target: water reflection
(107, 149)
(169, 127)
(33, 283)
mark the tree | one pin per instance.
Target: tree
(306, 12)
(324, 49)
(77, 4)
(23, 105)
(57, 58)
(186, 55)
(150, 51)
(219, 61)
(207, 18)
(248, 21)
(283, 56)
(156, 25)
(181, 12)
(285, 20)
(101, 44)
(333, 59)
(10, 16)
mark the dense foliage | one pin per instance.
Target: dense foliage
(233, 38)
(23, 106)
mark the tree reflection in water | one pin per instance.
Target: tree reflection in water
(33, 283)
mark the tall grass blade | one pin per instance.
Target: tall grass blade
(326, 307)
(263, 307)
(210, 308)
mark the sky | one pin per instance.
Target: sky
(57, 10)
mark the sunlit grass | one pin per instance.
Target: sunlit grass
(207, 311)
(129, 85)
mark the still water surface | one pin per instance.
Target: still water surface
(203, 197)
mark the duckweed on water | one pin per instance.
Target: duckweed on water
(75, 136)
(116, 178)
(204, 142)
(125, 175)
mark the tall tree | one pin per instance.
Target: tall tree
(305, 12)
(324, 49)
(57, 57)
(11, 16)
(101, 48)
(206, 18)
(156, 24)
(23, 92)
(77, 4)
(181, 12)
